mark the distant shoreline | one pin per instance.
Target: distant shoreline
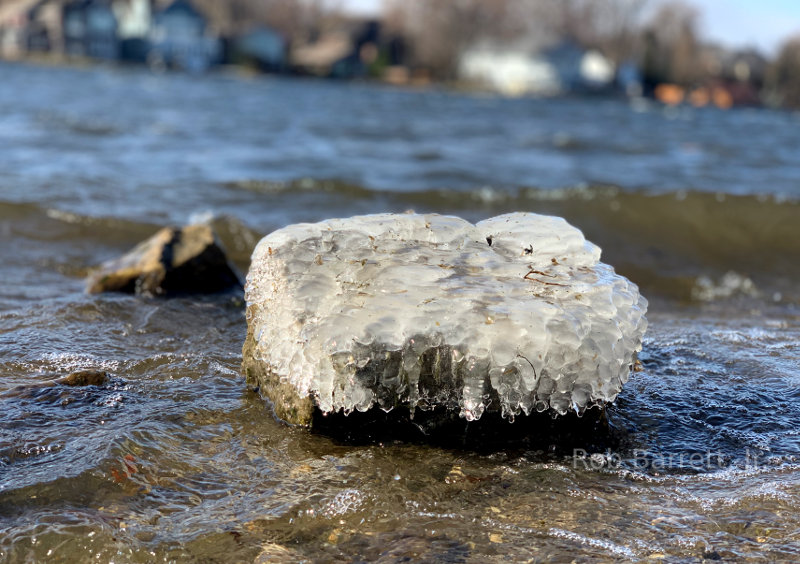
(245, 72)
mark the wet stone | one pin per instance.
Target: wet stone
(513, 315)
(272, 553)
(56, 387)
(84, 378)
(175, 260)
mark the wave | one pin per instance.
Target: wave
(109, 236)
(686, 245)
(689, 246)
(275, 187)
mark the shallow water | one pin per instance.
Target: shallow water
(174, 459)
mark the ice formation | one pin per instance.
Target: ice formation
(513, 314)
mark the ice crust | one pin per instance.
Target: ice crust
(513, 314)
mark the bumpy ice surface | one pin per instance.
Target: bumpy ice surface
(515, 313)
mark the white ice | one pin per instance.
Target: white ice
(515, 313)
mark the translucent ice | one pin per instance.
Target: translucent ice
(513, 314)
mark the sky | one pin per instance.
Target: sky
(763, 23)
(734, 23)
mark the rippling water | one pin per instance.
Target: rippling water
(174, 459)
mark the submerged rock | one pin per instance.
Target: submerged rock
(513, 314)
(84, 378)
(80, 378)
(174, 260)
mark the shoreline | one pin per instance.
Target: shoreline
(466, 88)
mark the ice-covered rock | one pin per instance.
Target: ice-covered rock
(513, 314)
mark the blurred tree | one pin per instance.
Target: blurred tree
(440, 30)
(292, 18)
(671, 45)
(610, 26)
(783, 78)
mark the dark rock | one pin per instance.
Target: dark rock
(591, 432)
(174, 260)
(79, 378)
(84, 378)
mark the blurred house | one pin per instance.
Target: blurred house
(134, 18)
(629, 79)
(180, 39)
(509, 71)
(729, 78)
(90, 30)
(262, 48)
(345, 51)
(744, 75)
(45, 29)
(85, 28)
(14, 19)
(549, 71)
(165, 34)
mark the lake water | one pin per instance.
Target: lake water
(173, 459)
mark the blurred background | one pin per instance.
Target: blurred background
(699, 52)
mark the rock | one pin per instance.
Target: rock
(174, 260)
(513, 314)
(272, 553)
(84, 378)
(79, 378)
